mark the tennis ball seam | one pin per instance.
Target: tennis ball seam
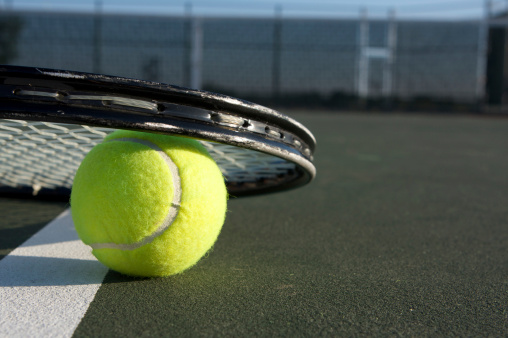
(173, 208)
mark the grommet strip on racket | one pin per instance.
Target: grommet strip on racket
(50, 119)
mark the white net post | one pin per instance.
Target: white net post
(366, 53)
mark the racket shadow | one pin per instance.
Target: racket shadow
(65, 234)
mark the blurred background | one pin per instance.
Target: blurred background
(418, 55)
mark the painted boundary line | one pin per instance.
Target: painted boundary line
(47, 283)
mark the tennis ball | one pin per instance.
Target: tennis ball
(147, 204)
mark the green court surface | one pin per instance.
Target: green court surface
(403, 232)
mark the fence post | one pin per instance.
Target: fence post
(196, 54)
(97, 38)
(390, 59)
(277, 40)
(363, 61)
(481, 54)
(187, 45)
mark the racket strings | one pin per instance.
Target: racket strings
(240, 165)
(43, 155)
(46, 155)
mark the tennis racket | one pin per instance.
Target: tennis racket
(50, 119)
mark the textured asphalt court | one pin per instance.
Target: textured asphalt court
(404, 232)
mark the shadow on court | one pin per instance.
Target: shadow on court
(29, 271)
(21, 218)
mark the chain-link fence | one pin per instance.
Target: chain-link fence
(298, 59)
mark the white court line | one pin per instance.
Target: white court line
(47, 284)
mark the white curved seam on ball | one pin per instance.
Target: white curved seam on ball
(173, 209)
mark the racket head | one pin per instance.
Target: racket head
(272, 151)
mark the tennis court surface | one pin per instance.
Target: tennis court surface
(403, 232)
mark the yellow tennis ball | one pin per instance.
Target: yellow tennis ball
(148, 204)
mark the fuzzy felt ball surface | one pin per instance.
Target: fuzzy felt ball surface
(147, 204)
